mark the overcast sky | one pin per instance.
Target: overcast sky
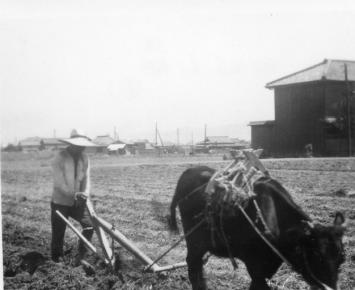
(94, 65)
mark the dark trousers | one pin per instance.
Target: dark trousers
(80, 214)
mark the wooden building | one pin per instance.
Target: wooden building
(117, 149)
(30, 144)
(143, 147)
(102, 142)
(33, 144)
(314, 108)
(52, 144)
(220, 143)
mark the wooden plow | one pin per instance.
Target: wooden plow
(102, 227)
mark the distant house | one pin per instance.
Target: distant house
(240, 144)
(220, 143)
(314, 109)
(143, 146)
(168, 147)
(30, 144)
(52, 144)
(119, 149)
(102, 143)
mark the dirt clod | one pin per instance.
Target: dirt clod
(31, 261)
(340, 192)
(89, 269)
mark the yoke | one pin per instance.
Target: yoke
(238, 177)
(230, 188)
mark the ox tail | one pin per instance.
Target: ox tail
(172, 217)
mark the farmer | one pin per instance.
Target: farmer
(71, 172)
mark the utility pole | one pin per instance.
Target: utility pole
(177, 137)
(54, 134)
(348, 109)
(205, 139)
(156, 133)
(161, 139)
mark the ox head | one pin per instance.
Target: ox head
(319, 252)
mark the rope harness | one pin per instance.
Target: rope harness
(232, 188)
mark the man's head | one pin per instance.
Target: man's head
(78, 141)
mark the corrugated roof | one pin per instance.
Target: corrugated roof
(329, 69)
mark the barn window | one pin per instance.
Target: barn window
(335, 127)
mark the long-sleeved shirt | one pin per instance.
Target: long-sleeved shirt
(65, 182)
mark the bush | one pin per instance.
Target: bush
(12, 148)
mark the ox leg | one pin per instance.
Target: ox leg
(259, 284)
(259, 271)
(195, 270)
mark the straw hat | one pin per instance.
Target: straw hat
(78, 138)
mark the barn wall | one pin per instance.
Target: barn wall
(299, 110)
(336, 137)
(300, 113)
(262, 137)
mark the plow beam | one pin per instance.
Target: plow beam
(126, 243)
(85, 241)
(106, 249)
(158, 269)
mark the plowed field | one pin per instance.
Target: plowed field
(134, 195)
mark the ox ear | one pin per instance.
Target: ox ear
(339, 220)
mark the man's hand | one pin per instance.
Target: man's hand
(81, 196)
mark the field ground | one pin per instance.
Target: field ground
(134, 195)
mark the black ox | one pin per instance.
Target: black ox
(314, 251)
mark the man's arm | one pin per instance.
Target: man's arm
(85, 184)
(60, 182)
